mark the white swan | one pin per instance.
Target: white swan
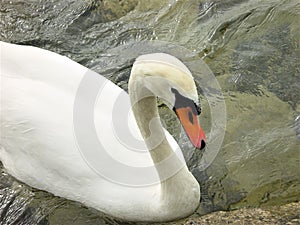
(45, 137)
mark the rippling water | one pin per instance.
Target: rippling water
(251, 46)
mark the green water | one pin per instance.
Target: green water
(252, 47)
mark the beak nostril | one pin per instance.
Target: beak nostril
(202, 144)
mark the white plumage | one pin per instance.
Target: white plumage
(39, 145)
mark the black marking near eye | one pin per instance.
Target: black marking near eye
(191, 117)
(182, 102)
(198, 108)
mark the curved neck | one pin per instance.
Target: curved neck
(145, 110)
(179, 193)
(147, 117)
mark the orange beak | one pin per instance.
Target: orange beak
(191, 126)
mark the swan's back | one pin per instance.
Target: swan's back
(37, 94)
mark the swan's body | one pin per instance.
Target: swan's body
(39, 147)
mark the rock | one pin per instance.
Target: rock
(285, 214)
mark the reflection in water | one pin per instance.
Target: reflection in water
(251, 46)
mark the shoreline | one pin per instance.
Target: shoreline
(288, 214)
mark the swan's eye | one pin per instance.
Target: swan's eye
(198, 108)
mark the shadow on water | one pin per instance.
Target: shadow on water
(251, 46)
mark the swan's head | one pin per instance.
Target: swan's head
(169, 79)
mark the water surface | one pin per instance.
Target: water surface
(252, 47)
